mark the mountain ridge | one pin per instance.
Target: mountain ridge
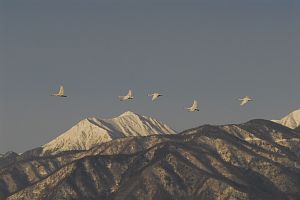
(92, 131)
(207, 162)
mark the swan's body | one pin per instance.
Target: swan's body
(245, 100)
(61, 92)
(154, 95)
(129, 96)
(194, 107)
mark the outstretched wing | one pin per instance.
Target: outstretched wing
(129, 93)
(61, 90)
(195, 105)
(154, 97)
(243, 102)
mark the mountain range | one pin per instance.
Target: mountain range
(258, 160)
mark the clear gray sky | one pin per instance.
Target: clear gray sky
(212, 51)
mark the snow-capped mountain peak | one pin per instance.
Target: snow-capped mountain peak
(292, 120)
(128, 113)
(132, 124)
(93, 131)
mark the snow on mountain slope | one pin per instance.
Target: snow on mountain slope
(292, 120)
(92, 131)
(131, 124)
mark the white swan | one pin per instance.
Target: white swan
(155, 95)
(245, 100)
(194, 107)
(61, 92)
(129, 96)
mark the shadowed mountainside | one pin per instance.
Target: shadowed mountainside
(255, 160)
(8, 158)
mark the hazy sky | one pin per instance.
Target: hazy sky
(212, 51)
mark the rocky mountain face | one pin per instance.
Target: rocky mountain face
(93, 131)
(7, 158)
(292, 120)
(257, 160)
